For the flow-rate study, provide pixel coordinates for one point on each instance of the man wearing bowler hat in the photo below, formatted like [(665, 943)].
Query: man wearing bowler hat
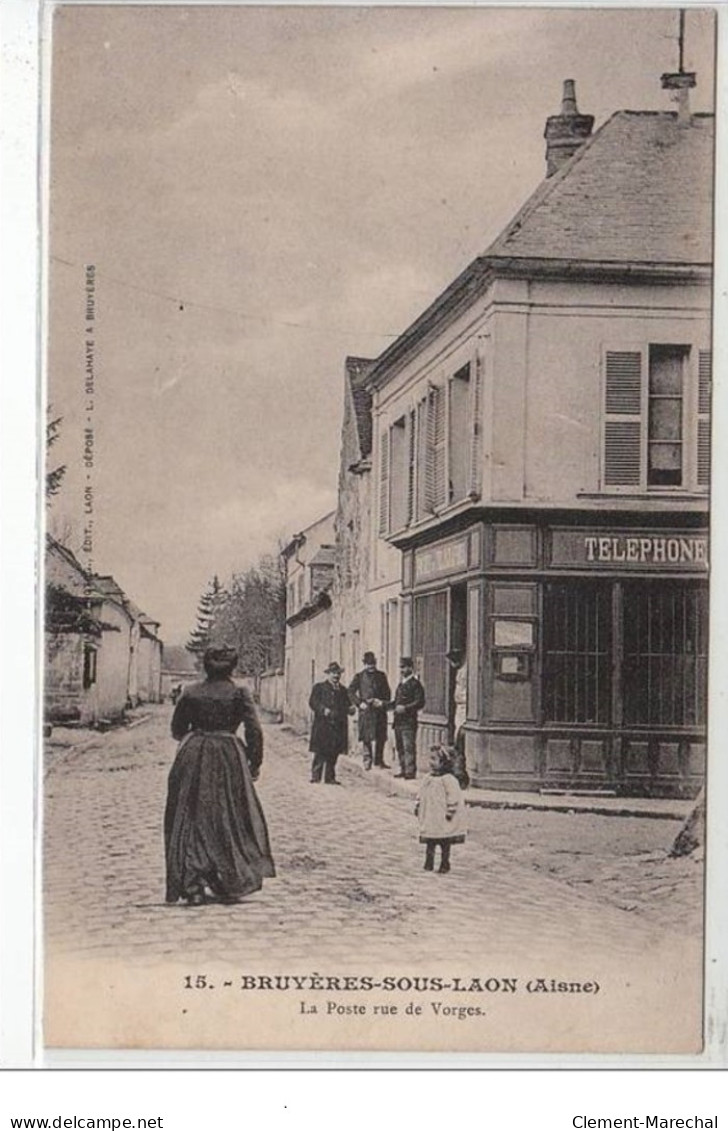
[(331, 708), (370, 693), (409, 699)]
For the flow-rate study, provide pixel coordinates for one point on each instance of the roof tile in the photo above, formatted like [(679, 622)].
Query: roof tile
[(639, 191)]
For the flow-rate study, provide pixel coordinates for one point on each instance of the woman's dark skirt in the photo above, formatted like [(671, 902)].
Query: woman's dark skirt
[(214, 828)]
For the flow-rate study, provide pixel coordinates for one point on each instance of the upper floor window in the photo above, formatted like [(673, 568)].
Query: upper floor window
[(657, 418), (431, 456), (459, 410)]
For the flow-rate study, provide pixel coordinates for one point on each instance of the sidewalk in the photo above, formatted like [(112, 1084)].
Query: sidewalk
[(675, 809)]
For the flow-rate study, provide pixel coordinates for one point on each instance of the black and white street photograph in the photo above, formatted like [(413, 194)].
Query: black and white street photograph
[(377, 421)]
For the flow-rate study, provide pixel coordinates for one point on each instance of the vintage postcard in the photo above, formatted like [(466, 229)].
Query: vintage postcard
[(378, 390)]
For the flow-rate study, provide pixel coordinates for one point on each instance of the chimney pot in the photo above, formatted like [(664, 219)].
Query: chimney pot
[(680, 83), (568, 101), (566, 132)]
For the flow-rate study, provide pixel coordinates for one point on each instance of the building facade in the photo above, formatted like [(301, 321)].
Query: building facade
[(102, 655), (541, 454), (309, 559)]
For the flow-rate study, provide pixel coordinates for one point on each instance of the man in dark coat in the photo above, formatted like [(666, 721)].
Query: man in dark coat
[(370, 693), (331, 708), (409, 699)]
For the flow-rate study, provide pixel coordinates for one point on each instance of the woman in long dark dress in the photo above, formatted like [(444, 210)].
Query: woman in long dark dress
[(215, 833)]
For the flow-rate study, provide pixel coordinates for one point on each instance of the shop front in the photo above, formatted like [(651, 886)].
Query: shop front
[(586, 652)]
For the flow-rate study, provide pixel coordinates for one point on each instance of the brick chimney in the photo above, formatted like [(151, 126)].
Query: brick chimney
[(566, 132)]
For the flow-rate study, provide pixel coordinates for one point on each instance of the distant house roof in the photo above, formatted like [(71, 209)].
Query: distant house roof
[(300, 539), (639, 191), (635, 199), (357, 371), (108, 586)]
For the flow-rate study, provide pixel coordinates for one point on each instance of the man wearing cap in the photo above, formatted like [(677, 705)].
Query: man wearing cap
[(457, 715), (331, 707), (409, 699), (370, 693)]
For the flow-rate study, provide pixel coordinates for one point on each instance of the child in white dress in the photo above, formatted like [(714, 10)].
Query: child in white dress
[(441, 810)]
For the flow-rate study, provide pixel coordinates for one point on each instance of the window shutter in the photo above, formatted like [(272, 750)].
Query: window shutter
[(422, 444), (384, 483), (435, 469), (705, 376), (411, 458), (475, 484), (623, 419)]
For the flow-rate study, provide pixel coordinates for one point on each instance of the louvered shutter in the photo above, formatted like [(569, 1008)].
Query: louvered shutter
[(705, 376), (429, 454), (623, 419), (411, 464), (384, 483), (475, 475), (435, 470)]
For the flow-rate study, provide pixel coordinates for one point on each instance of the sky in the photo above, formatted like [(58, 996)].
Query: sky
[(263, 191)]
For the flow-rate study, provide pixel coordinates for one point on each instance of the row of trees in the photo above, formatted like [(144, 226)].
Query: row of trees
[(247, 613)]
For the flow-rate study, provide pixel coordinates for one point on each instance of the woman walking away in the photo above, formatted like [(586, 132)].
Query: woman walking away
[(441, 810), (215, 833)]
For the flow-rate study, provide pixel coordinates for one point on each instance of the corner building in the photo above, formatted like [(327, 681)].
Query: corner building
[(541, 451)]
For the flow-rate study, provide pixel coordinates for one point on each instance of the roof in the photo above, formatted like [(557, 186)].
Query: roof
[(53, 546), (300, 539), (105, 583), (357, 371), (639, 191), (636, 199)]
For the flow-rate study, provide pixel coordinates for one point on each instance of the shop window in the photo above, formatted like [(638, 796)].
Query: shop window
[(577, 653), (430, 648), (665, 654), (657, 418)]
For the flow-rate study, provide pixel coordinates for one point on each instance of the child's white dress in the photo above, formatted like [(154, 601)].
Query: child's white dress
[(439, 796)]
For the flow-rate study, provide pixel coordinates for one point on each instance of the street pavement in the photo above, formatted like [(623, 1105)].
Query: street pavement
[(350, 883)]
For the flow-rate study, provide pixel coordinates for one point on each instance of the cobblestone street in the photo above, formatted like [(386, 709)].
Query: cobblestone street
[(350, 880)]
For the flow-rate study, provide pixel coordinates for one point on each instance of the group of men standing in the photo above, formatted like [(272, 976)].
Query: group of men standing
[(370, 695)]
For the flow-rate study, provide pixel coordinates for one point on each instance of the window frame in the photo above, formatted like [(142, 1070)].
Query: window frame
[(696, 349)]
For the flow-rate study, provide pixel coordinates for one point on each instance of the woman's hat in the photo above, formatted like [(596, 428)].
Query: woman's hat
[(334, 667), (221, 655)]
